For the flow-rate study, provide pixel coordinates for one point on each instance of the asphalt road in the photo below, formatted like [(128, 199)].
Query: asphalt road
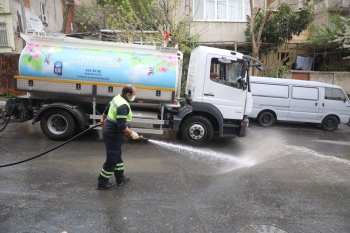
[(286, 178)]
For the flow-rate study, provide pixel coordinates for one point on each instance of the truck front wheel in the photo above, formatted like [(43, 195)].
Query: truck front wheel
[(196, 130), (57, 125)]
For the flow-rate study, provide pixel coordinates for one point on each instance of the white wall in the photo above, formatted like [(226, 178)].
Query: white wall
[(219, 31), (53, 12)]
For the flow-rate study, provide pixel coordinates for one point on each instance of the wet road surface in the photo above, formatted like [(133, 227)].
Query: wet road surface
[(292, 176)]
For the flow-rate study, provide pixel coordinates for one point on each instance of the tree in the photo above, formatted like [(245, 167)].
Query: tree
[(268, 31), (334, 39), (344, 38), (133, 18), (255, 25)]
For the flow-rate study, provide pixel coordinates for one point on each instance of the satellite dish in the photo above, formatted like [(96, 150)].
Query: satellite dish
[(35, 22)]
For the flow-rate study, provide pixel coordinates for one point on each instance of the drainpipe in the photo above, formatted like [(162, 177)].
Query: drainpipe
[(24, 18)]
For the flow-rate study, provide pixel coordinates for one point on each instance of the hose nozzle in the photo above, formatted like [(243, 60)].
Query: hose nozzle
[(143, 139)]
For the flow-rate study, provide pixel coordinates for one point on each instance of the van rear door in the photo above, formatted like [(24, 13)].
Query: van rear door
[(304, 104), (335, 102)]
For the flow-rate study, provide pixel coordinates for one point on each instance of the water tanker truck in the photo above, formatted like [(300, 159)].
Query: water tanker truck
[(69, 82)]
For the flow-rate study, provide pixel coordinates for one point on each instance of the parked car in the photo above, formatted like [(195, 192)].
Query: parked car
[(298, 101)]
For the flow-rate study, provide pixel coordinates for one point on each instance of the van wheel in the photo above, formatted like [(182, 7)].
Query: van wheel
[(266, 119), (57, 124), (330, 123), (196, 130)]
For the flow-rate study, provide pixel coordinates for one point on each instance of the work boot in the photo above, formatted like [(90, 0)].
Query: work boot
[(106, 186), (123, 181)]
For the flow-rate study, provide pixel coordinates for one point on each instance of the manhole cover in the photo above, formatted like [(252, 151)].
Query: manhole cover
[(261, 229)]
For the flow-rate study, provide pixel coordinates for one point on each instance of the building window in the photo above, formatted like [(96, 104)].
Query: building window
[(3, 34), (221, 10)]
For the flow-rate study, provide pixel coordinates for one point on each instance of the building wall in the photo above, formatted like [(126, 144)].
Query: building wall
[(219, 31), (6, 17), (214, 31), (341, 79), (53, 13), (324, 5), (53, 18)]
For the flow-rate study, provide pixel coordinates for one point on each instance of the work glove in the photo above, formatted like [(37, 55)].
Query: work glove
[(134, 135), (102, 122)]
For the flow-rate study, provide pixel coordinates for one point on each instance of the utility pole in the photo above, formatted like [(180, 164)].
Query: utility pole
[(24, 19)]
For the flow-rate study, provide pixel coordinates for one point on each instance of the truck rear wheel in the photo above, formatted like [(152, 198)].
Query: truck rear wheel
[(330, 123), (57, 125), (196, 130)]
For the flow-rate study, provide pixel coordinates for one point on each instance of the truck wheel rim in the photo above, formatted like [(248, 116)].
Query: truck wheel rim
[(197, 131), (57, 124)]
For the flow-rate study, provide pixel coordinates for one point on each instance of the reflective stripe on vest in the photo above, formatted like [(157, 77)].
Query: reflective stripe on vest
[(115, 103)]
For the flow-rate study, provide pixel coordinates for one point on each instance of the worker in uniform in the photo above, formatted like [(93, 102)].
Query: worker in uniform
[(118, 114)]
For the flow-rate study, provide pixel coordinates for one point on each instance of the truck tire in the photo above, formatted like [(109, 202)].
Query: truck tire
[(266, 119), (57, 124), (196, 130), (330, 123)]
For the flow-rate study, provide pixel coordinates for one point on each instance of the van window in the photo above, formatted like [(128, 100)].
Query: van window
[(334, 94), (305, 93), (226, 74), (269, 90)]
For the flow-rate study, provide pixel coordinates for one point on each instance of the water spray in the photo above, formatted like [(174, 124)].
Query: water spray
[(204, 154)]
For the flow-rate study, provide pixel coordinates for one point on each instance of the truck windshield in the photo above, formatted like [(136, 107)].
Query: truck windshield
[(226, 74)]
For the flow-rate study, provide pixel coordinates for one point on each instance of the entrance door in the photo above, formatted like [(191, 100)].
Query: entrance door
[(222, 88)]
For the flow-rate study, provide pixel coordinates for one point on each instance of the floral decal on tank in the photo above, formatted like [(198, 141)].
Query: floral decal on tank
[(97, 65)]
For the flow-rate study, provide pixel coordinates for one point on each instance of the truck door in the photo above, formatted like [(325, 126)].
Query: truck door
[(221, 86), (304, 104), (334, 102)]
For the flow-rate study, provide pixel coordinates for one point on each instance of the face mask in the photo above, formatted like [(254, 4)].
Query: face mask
[(133, 98)]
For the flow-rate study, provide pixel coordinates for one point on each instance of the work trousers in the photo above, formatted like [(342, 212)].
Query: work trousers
[(114, 162)]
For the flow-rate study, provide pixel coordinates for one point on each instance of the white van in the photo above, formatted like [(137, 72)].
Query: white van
[(298, 101)]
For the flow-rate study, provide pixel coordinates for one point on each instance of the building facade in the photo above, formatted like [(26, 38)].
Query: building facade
[(12, 21), (219, 22)]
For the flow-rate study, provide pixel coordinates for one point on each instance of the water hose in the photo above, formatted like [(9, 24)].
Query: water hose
[(54, 148), (8, 120)]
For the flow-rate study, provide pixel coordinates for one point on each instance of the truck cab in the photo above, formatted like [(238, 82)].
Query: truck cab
[(217, 94)]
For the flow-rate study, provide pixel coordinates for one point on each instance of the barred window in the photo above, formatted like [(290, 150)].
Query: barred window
[(3, 34)]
